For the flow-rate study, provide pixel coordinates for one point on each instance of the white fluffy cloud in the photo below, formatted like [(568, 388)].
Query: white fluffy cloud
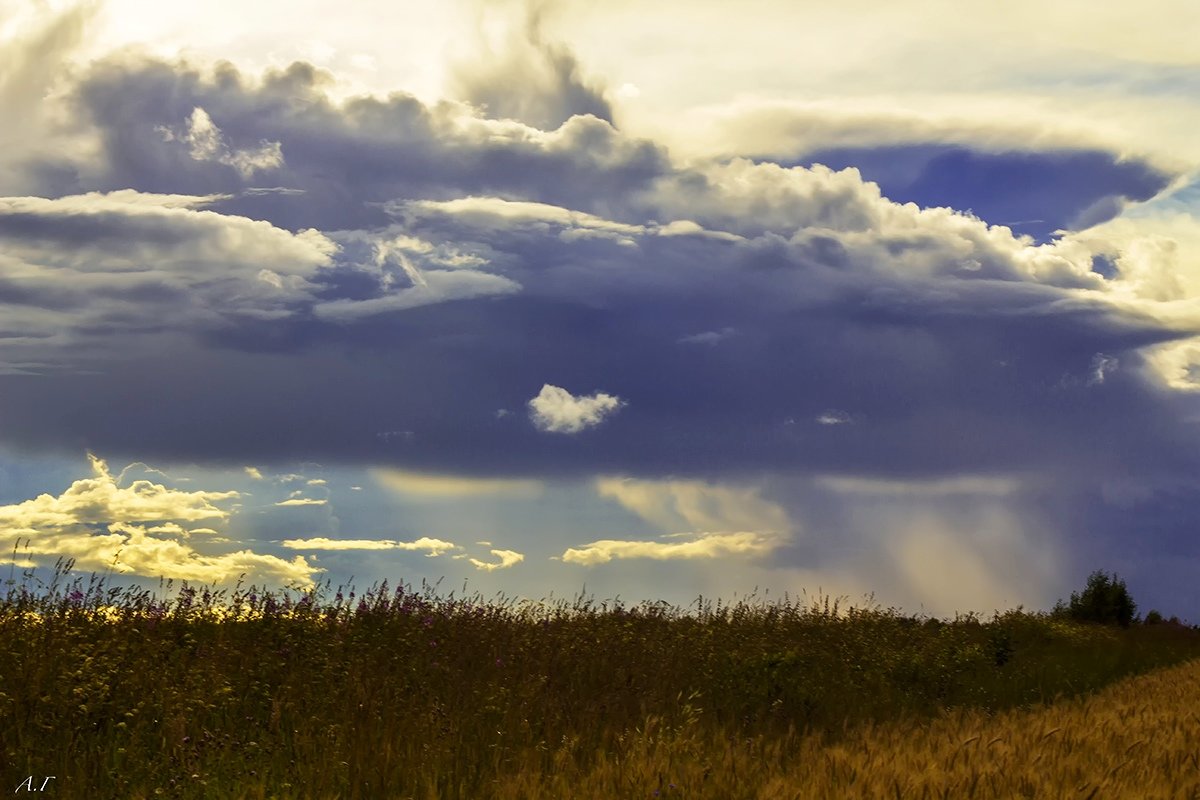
[(555, 410), (99, 500), (143, 536), (507, 558)]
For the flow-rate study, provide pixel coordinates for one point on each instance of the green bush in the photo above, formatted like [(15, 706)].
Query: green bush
[(1105, 600)]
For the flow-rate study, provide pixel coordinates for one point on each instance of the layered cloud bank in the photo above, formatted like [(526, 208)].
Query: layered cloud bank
[(481, 297)]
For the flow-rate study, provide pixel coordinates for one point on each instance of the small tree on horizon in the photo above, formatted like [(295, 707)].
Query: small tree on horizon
[(1105, 600)]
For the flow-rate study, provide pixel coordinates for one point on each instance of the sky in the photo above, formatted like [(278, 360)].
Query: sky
[(890, 302)]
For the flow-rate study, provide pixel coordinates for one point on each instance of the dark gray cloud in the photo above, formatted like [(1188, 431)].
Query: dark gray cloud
[(937, 373), (338, 163)]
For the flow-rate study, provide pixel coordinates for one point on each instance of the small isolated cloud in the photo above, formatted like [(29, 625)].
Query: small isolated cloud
[(302, 501), (317, 482), (703, 546), (433, 547), (207, 143), (707, 337), (260, 191), (254, 473), (322, 543), (507, 559), (555, 410), (833, 417), (1102, 366)]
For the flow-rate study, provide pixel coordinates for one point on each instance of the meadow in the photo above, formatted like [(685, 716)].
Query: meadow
[(406, 692)]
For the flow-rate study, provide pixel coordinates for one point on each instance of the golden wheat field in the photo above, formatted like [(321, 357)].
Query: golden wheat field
[(1139, 738)]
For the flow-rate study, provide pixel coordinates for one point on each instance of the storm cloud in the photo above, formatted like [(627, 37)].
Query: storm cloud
[(474, 272)]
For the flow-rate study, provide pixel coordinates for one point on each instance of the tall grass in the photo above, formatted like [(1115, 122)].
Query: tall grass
[(192, 692)]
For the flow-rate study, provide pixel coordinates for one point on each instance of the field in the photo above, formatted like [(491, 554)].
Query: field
[(398, 693)]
